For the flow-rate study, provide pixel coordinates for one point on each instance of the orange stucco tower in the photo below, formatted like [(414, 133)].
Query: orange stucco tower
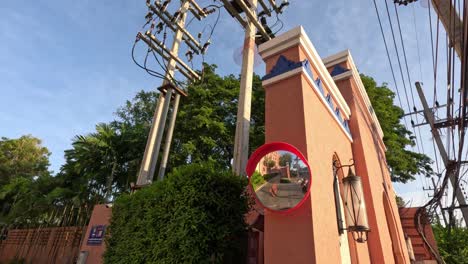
[(321, 107)]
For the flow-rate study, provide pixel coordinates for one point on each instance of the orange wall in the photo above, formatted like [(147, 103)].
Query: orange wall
[(296, 114), (371, 166)]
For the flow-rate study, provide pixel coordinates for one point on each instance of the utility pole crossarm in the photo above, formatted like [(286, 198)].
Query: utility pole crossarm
[(251, 15), (173, 56), (232, 11), (170, 93), (167, 55), (166, 17)]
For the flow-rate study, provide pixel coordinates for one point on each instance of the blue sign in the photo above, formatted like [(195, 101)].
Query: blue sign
[(96, 235)]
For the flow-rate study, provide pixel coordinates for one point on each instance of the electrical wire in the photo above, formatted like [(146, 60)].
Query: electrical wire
[(278, 20), (417, 42), (462, 129), (404, 55), (401, 70), (409, 80), (434, 54), (389, 60), (217, 18), (155, 74), (438, 193)]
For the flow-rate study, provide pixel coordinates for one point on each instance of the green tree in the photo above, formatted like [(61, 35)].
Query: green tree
[(205, 125), (269, 163), (206, 121), (27, 201), (286, 158), (404, 164), (452, 243), (23, 157), (102, 164), (195, 215), (24, 179), (400, 201), (96, 167)]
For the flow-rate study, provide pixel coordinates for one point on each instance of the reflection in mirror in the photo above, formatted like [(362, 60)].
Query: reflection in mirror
[(281, 180)]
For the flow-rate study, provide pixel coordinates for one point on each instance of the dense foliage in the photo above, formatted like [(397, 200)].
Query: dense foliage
[(285, 159), (195, 215), (452, 244), (102, 164), (24, 177), (404, 164), (206, 121), (269, 163), (24, 157), (256, 180)]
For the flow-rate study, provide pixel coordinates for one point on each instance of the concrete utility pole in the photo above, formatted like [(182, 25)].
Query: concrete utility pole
[(153, 144), (241, 144), (443, 153), (170, 131), (451, 20), (176, 23)]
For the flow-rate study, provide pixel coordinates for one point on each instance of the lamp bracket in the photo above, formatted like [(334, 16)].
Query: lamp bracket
[(343, 166)]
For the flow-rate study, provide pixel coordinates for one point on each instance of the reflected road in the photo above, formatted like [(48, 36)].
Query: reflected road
[(287, 196)]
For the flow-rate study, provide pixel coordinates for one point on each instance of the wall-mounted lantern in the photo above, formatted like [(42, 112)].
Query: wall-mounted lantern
[(355, 206)]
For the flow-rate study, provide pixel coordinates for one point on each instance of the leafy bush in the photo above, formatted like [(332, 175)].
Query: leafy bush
[(257, 180), (452, 243), (195, 215)]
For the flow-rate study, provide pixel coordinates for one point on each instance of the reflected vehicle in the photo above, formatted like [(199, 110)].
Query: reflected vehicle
[(281, 180)]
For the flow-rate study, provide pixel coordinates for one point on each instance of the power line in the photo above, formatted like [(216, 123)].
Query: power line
[(409, 79), (434, 54), (397, 55), (401, 70), (462, 110), (417, 42), (404, 54), (389, 60)]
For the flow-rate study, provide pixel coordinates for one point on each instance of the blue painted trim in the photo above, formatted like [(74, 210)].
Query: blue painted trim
[(306, 66), (284, 65), (337, 113), (338, 70), (330, 101), (346, 126), (318, 82)]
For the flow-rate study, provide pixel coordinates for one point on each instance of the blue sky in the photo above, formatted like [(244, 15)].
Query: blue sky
[(66, 66)]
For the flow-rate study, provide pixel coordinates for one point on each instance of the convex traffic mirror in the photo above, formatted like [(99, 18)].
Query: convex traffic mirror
[(280, 177)]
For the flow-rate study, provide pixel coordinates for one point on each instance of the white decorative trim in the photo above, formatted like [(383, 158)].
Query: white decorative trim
[(282, 76), (337, 58), (312, 83), (326, 105), (281, 42), (343, 75), (298, 37), (346, 56)]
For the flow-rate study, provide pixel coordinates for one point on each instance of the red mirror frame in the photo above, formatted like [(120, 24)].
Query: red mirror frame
[(259, 153)]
